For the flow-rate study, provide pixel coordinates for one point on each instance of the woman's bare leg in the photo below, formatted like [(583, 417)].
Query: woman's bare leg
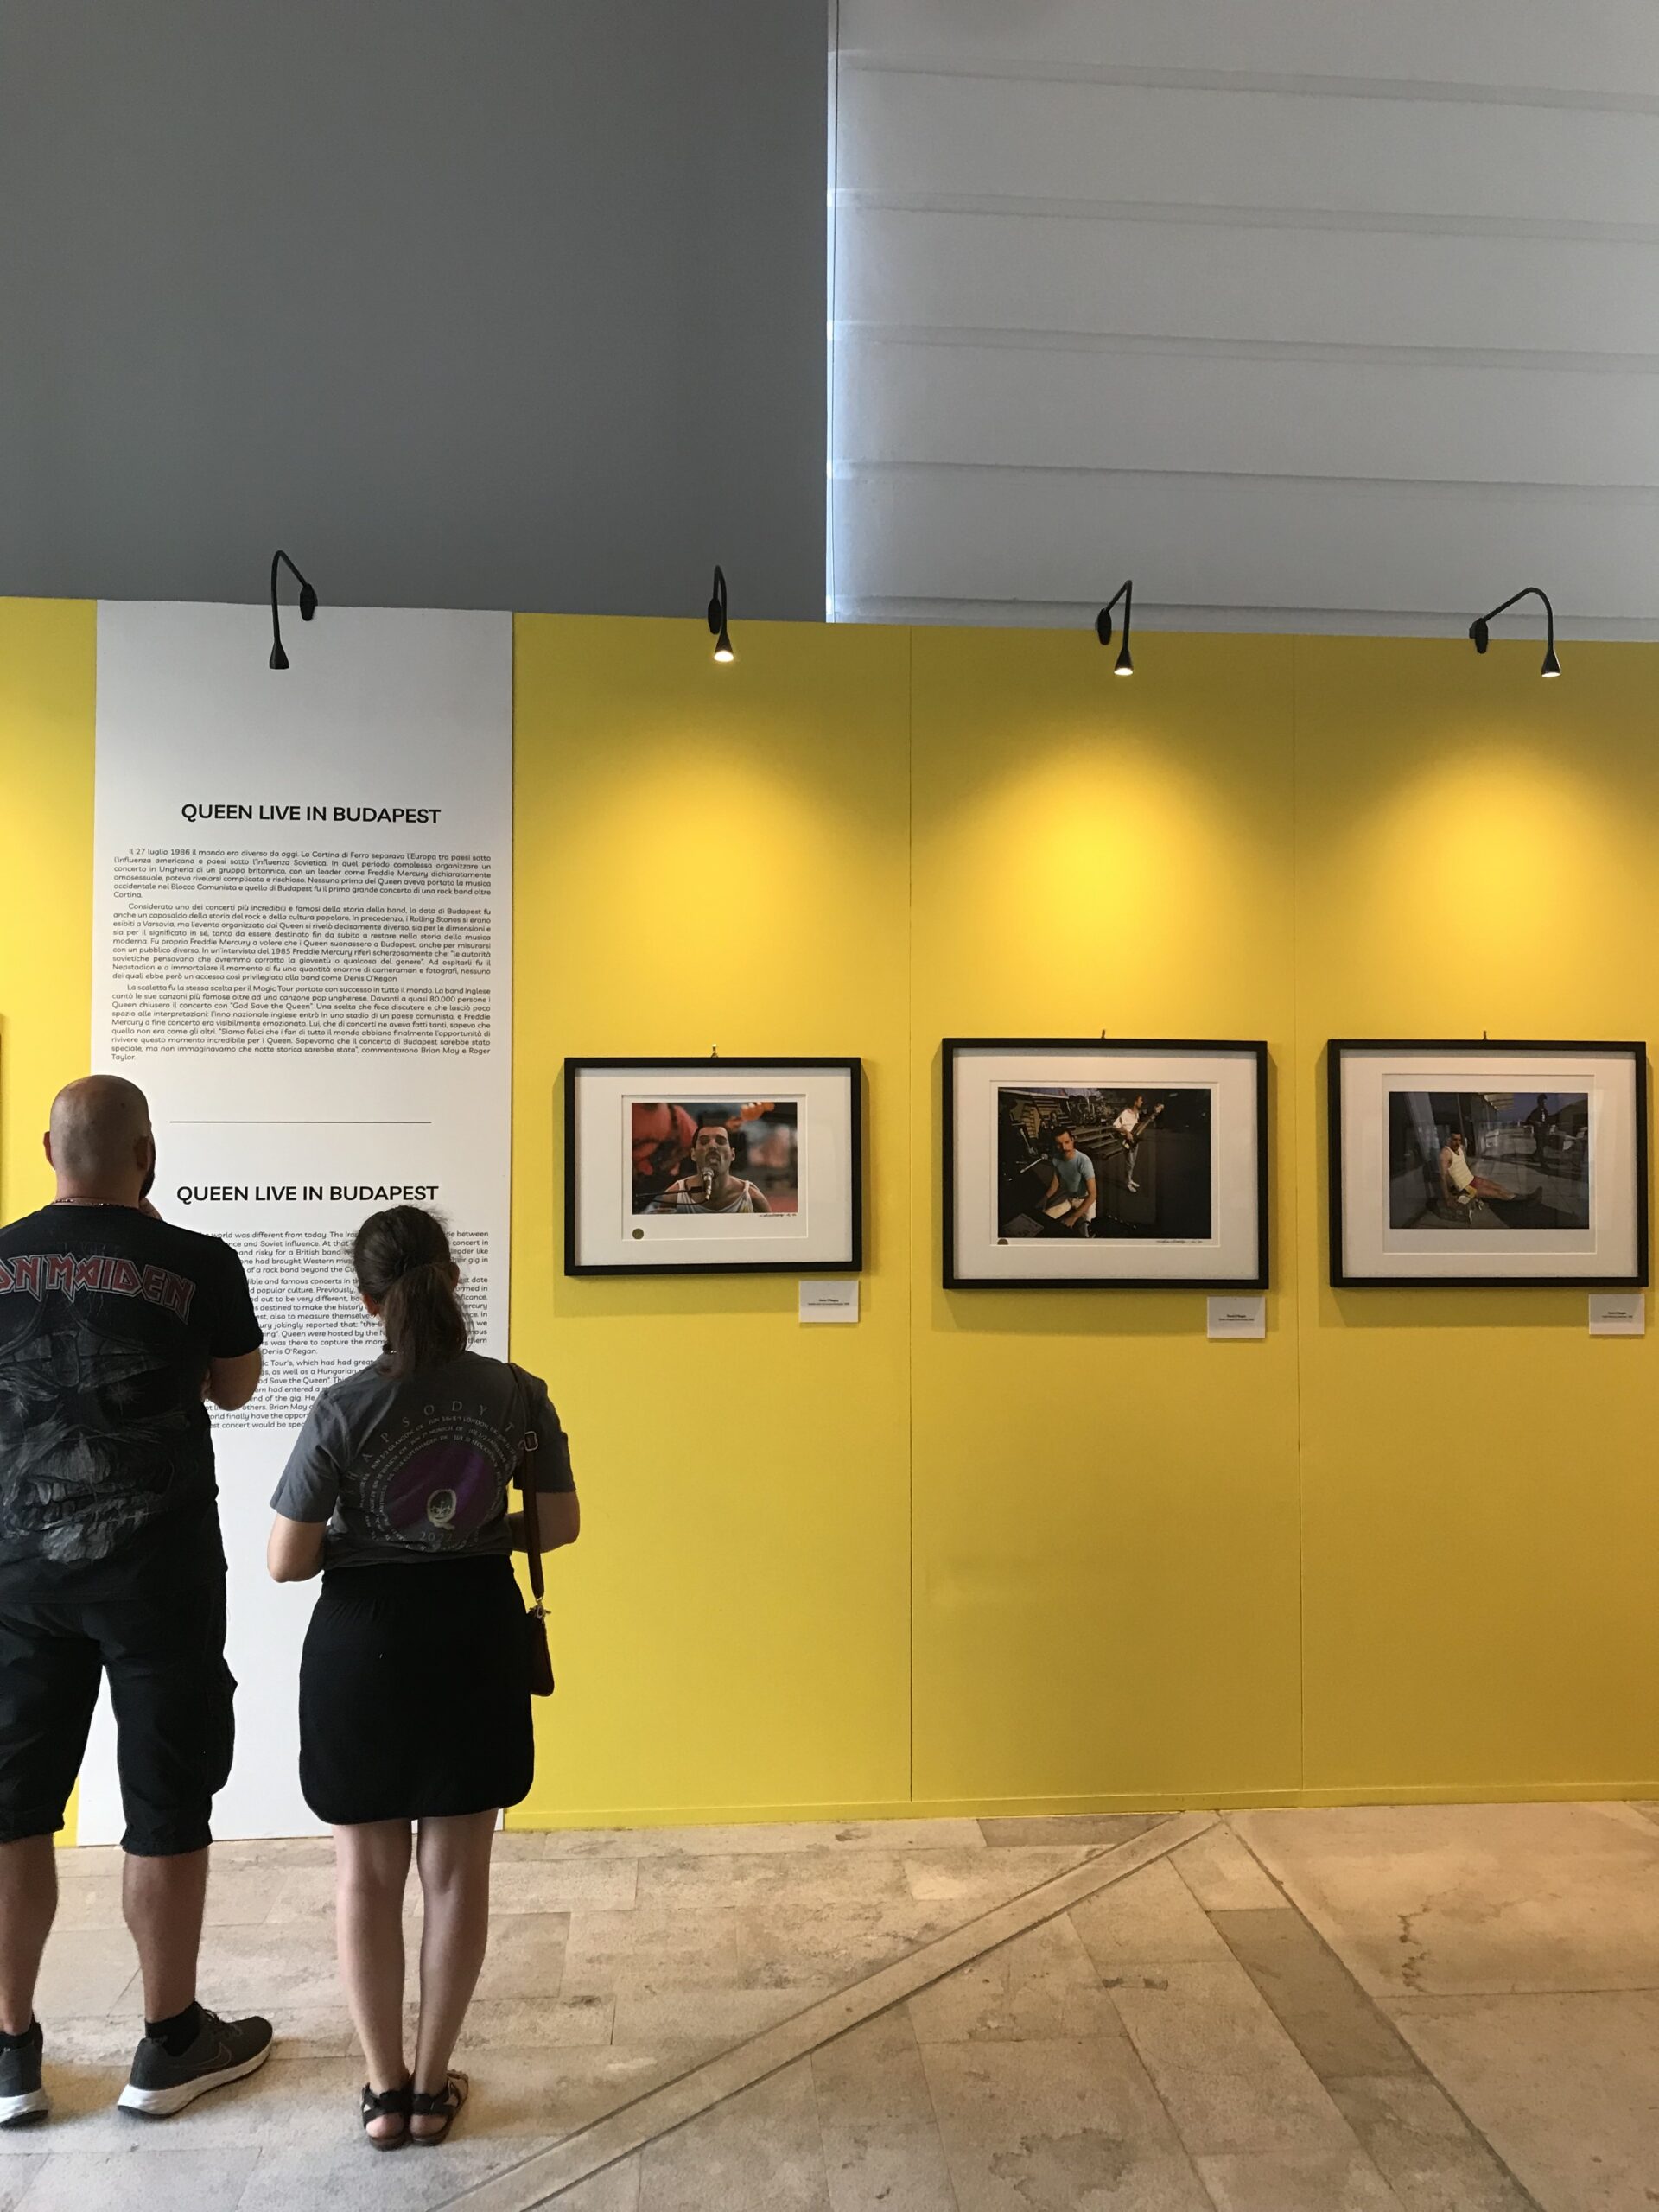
[(453, 1856), (372, 1865)]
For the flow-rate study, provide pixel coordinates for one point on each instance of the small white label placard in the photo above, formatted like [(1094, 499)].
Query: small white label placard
[(1242, 1317), (830, 1302), (1618, 1314)]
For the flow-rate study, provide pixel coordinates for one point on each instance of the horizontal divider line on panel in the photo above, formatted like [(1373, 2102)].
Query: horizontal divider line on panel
[(852, 331), (1313, 621), (854, 199), (1459, 487), (1015, 70)]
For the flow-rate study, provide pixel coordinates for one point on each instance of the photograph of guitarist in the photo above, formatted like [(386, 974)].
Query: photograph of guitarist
[(1131, 1128)]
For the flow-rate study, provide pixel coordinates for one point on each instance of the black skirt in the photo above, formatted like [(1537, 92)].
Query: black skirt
[(414, 1692)]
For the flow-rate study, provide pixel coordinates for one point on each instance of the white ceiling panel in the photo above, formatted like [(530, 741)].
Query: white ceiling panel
[(1312, 315), (1140, 407), (903, 133), (1597, 47), (1222, 278), (1000, 538)]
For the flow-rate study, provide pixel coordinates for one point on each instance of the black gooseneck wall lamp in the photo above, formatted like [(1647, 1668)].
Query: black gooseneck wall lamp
[(722, 635), (1122, 666), (308, 606), (1480, 629)]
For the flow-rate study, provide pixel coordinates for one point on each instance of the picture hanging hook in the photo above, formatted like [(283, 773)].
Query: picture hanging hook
[(713, 1051)]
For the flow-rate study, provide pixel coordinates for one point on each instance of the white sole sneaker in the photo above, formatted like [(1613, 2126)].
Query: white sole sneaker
[(162, 2104), (33, 2104)]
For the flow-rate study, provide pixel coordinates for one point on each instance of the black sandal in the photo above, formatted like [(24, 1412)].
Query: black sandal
[(430, 2103), (389, 2104)]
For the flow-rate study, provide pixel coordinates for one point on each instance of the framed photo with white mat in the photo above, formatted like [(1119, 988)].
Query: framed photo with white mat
[(1094, 1163), (1488, 1162), (713, 1167)]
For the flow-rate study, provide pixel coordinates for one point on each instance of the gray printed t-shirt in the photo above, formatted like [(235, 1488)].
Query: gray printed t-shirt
[(418, 1469)]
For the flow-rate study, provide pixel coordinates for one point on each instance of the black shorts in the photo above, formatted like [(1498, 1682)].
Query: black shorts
[(164, 1653), (414, 1692)]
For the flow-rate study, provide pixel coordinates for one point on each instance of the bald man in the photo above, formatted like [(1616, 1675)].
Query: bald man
[(115, 1327)]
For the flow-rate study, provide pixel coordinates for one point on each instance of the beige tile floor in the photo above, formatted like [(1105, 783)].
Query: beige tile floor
[(1449, 2009)]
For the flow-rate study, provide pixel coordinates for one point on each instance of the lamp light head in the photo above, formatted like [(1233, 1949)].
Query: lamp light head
[(1480, 629), (280, 560), (1122, 666), (717, 629)]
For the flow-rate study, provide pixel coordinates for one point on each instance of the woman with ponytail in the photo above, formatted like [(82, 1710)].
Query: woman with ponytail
[(415, 1685)]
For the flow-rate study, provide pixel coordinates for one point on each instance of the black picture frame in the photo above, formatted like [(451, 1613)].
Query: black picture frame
[(1339, 1048), (952, 1047), (853, 1069)]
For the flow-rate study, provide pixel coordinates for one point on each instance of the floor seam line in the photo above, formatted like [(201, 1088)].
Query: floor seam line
[(496, 2194)]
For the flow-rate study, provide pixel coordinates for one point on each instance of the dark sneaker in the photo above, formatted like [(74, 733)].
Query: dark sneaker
[(22, 2097), (224, 2050)]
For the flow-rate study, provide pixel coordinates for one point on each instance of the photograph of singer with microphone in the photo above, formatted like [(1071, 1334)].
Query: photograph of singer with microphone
[(742, 1158)]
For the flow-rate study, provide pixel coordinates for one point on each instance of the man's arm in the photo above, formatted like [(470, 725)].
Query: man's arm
[(558, 1521), (759, 1201), (294, 1552), (232, 1383)]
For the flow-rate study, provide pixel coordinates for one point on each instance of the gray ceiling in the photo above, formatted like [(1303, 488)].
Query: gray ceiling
[(466, 302)]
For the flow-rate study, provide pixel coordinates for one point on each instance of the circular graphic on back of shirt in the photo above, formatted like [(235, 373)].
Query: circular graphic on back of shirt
[(444, 1492)]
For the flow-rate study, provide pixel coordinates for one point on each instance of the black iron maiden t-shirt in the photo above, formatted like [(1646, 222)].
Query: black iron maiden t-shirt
[(108, 1318)]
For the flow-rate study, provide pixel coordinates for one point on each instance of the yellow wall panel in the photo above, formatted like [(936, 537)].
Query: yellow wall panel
[(1479, 852), (48, 672), (711, 856), (49, 658), (1105, 1526)]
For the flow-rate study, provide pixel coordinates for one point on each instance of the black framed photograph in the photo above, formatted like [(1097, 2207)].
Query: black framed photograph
[(1505, 1162), (713, 1167), (1086, 1163)]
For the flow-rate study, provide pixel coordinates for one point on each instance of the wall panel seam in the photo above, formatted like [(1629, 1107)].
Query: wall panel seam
[(1296, 1238), (1210, 615), (1626, 494), (1014, 338), (1237, 215), (1300, 83), (910, 1171)]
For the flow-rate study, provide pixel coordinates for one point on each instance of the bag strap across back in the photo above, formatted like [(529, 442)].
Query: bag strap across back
[(526, 1478)]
